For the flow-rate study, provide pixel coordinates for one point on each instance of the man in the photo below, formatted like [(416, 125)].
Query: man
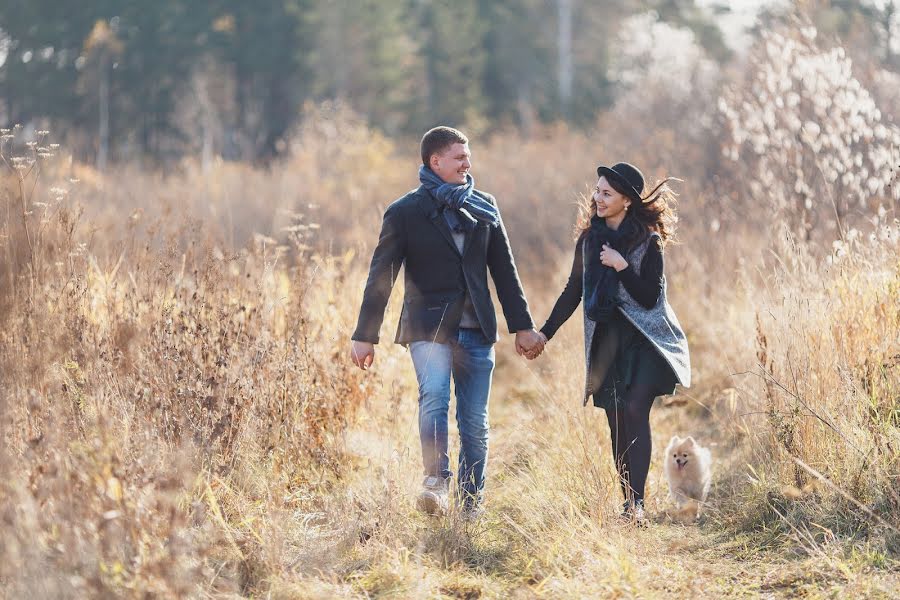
[(448, 234)]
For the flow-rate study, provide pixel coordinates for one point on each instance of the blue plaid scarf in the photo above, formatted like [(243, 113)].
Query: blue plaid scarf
[(462, 207)]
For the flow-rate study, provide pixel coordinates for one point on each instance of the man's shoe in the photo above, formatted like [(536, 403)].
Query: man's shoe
[(433, 499), (470, 514)]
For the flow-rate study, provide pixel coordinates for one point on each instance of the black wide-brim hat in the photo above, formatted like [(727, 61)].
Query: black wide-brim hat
[(628, 175)]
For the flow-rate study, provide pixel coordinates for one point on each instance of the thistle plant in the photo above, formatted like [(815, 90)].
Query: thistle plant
[(806, 137), (26, 217)]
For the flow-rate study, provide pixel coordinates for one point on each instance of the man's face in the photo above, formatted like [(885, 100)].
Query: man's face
[(452, 164)]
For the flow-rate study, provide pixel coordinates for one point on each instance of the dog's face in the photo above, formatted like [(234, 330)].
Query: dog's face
[(682, 452)]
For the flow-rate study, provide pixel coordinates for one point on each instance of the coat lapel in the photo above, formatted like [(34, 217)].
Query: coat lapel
[(430, 208), (470, 235), (479, 229)]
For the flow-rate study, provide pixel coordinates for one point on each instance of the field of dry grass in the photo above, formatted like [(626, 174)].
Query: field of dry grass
[(179, 417)]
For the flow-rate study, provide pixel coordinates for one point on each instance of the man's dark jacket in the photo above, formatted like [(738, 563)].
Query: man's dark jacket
[(415, 232)]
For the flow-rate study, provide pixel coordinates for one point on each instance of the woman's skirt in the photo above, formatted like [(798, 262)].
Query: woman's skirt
[(621, 357)]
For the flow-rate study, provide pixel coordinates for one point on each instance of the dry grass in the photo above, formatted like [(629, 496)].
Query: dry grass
[(179, 418)]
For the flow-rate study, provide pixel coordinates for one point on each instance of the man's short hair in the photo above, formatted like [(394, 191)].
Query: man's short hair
[(439, 139)]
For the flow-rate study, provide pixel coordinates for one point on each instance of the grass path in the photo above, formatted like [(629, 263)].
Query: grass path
[(705, 559), (666, 558), (551, 529)]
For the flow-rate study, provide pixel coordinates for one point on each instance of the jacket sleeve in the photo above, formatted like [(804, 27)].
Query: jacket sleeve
[(571, 295), (506, 279), (386, 262)]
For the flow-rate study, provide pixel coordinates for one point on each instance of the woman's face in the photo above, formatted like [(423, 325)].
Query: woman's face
[(608, 202)]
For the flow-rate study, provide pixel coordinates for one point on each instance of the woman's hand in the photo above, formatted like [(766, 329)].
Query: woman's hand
[(528, 341), (538, 349), (610, 257)]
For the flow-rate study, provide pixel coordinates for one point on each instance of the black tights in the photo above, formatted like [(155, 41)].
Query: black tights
[(629, 428)]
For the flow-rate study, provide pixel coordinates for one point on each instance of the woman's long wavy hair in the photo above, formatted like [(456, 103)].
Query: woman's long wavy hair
[(655, 212)]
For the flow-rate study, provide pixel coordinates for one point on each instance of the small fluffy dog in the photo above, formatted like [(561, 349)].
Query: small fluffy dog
[(688, 471)]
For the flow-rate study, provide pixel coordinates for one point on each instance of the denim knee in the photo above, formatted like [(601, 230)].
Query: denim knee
[(434, 397), (474, 436)]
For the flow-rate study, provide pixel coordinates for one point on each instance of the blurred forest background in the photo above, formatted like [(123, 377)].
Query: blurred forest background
[(130, 81), (179, 85), (189, 197)]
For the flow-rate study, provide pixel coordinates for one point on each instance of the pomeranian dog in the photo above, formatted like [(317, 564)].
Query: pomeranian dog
[(688, 469)]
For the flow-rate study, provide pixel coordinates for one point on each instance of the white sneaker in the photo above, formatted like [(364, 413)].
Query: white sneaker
[(433, 499), (639, 518), (472, 514), (634, 513)]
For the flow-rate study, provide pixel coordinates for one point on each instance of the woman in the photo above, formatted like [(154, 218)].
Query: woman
[(635, 349)]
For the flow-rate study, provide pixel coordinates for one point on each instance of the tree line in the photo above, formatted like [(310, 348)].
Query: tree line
[(123, 80)]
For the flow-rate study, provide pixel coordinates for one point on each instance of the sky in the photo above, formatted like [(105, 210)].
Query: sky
[(742, 15)]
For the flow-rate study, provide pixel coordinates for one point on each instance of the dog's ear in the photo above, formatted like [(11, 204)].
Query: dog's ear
[(691, 441), (675, 440)]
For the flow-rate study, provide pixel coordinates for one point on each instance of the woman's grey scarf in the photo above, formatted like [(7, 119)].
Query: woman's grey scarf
[(463, 207)]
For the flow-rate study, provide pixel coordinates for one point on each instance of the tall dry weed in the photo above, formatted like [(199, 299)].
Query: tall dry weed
[(179, 416), (143, 377), (828, 384)]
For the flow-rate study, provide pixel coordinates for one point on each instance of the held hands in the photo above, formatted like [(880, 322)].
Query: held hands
[(610, 257), (362, 354), (530, 343), (538, 350)]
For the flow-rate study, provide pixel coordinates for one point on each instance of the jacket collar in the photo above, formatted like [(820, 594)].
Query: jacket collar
[(428, 203)]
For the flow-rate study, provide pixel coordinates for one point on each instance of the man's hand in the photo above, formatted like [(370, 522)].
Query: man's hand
[(529, 343), (539, 349), (362, 354)]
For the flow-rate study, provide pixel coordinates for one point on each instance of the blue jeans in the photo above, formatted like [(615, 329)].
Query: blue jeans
[(470, 361)]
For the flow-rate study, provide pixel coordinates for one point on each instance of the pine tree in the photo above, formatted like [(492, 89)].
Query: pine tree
[(366, 55), (452, 36), (268, 49), (520, 54)]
